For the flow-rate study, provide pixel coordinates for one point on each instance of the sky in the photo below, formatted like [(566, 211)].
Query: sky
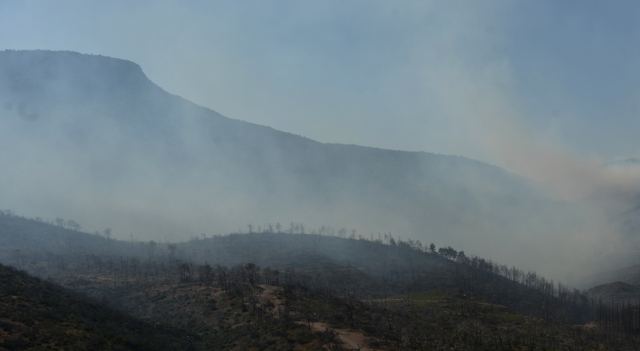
[(453, 77)]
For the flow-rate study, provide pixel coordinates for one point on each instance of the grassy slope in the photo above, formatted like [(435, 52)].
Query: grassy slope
[(36, 315), (230, 321), (243, 319), (264, 317)]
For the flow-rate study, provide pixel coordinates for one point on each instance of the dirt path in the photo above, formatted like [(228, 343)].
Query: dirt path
[(351, 339), (269, 296)]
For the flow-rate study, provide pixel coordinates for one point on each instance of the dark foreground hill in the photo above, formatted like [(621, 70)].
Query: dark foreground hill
[(366, 268), (249, 307), (309, 292), (37, 315)]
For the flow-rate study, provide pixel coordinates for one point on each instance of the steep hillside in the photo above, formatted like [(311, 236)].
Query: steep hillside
[(36, 315), (91, 138)]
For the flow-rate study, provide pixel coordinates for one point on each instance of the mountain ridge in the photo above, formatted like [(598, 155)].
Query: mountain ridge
[(133, 156), (136, 70)]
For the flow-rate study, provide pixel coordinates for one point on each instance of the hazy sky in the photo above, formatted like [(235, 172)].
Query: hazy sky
[(441, 76)]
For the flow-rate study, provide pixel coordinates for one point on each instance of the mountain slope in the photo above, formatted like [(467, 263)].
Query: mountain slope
[(91, 138), (35, 315)]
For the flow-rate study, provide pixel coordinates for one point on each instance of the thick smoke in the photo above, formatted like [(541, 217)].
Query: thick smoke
[(599, 232), (105, 158), (92, 139)]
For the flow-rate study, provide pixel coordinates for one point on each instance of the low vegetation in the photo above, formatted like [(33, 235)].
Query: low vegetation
[(37, 315), (281, 291)]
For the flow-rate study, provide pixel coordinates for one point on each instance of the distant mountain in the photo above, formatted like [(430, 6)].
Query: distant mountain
[(625, 162), (616, 292), (629, 275), (92, 138)]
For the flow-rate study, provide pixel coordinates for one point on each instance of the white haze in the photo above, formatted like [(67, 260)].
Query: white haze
[(453, 91)]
